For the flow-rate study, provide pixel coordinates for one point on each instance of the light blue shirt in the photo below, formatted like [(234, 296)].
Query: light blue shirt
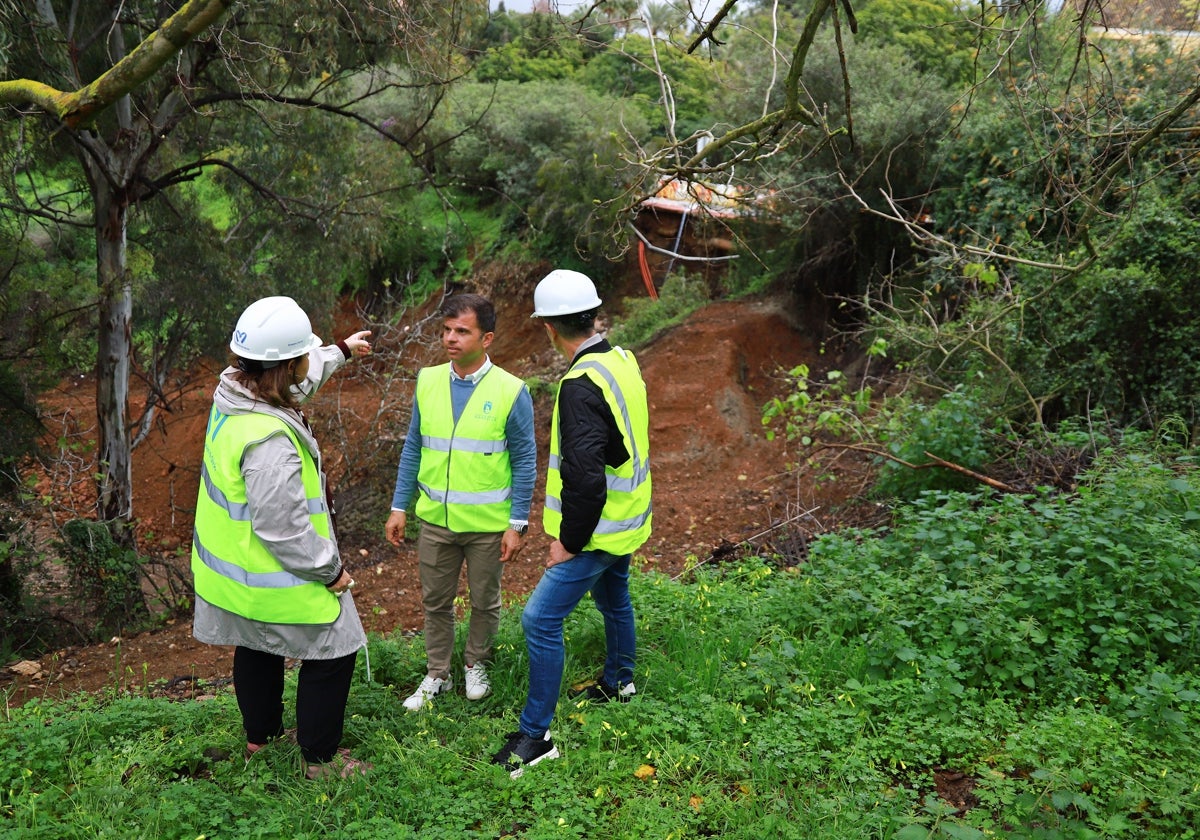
[(522, 447)]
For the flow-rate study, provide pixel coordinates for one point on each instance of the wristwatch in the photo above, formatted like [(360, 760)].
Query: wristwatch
[(520, 529)]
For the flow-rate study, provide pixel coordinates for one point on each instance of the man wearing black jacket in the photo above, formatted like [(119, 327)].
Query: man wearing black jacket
[(597, 510)]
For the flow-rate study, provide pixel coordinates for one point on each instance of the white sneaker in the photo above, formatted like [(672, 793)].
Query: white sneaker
[(476, 680), (429, 688)]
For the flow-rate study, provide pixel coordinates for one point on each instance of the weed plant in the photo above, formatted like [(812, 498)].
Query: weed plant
[(681, 295), (1043, 647)]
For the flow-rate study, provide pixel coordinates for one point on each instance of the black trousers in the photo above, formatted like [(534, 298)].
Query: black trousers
[(321, 695)]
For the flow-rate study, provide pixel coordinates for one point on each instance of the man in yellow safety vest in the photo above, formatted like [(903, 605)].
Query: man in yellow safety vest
[(470, 459)]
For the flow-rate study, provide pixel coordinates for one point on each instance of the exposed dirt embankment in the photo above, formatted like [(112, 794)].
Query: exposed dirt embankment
[(717, 479)]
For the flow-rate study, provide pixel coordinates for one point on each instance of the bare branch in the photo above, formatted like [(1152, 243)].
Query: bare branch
[(934, 461), (707, 33)]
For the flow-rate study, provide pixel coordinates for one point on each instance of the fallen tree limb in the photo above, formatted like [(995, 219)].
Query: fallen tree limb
[(934, 461), (747, 541)]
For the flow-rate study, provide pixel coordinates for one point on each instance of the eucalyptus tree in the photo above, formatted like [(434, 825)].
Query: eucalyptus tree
[(135, 93)]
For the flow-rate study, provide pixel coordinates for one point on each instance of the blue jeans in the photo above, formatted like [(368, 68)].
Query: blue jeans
[(561, 588)]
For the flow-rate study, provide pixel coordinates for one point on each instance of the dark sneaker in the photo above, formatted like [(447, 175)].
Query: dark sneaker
[(602, 692), (521, 751)]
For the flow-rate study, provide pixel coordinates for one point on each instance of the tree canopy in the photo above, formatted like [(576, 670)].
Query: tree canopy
[(977, 158)]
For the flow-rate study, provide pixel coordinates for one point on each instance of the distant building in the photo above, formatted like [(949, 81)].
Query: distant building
[(686, 225)]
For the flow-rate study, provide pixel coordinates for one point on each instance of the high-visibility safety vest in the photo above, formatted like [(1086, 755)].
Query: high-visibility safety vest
[(231, 566), (625, 520), (465, 480)]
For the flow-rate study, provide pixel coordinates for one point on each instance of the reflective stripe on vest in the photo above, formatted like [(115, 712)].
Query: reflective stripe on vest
[(465, 480), (232, 568), (625, 520)]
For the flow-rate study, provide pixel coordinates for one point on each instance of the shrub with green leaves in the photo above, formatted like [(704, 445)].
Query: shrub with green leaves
[(543, 153), (908, 434), (1119, 334), (760, 712), (643, 319), (1123, 335), (107, 575), (1040, 593), (952, 429)]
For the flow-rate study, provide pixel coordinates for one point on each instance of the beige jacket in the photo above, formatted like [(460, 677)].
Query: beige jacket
[(279, 517)]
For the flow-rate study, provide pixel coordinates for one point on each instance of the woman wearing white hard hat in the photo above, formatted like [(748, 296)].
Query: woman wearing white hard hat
[(269, 578)]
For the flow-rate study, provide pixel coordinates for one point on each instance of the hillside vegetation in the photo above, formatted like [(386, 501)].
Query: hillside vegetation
[(989, 216), (1015, 667)]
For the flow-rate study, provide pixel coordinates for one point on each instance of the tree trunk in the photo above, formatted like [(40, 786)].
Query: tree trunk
[(114, 498)]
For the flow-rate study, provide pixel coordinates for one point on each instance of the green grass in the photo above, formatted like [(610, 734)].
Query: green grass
[(771, 703), (644, 319)]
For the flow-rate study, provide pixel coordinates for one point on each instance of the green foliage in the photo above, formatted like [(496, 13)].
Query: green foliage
[(539, 387), (819, 241), (500, 28), (47, 277), (953, 429), (1156, 706), (935, 34), (993, 188), (644, 319), (106, 574), (547, 152), (187, 288), (1123, 335), (907, 434), (1064, 596), (629, 68), (424, 240), (814, 408), (1120, 334), (20, 633), (765, 707), (530, 59), (19, 426)]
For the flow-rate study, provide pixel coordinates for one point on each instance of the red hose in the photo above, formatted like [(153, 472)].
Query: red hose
[(646, 278)]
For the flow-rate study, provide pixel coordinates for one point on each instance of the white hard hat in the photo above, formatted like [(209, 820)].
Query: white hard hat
[(273, 329), (564, 292)]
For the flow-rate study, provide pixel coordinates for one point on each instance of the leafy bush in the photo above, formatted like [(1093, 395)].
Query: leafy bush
[(813, 408), (629, 67), (1120, 335), (107, 576), (544, 153), (952, 429), (1123, 335), (907, 434), (538, 52), (1051, 594), (19, 426), (18, 616), (421, 241), (643, 319), (741, 728), (933, 33)]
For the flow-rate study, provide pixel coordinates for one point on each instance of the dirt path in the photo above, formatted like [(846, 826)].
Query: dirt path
[(717, 481)]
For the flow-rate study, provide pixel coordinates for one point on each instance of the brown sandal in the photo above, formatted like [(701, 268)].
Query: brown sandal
[(251, 749), (288, 735), (341, 766)]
